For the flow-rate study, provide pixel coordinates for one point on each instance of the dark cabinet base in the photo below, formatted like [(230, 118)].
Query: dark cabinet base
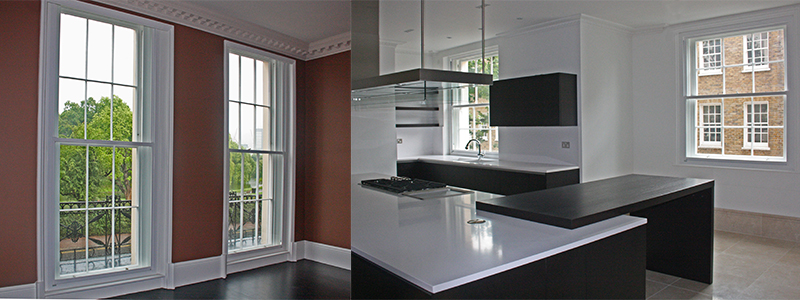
[(487, 180), (680, 236), (611, 268)]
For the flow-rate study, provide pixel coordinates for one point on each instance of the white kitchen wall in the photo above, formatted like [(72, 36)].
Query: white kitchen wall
[(419, 141), (373, 141), (606, 104), (541, 49), (656, 123)]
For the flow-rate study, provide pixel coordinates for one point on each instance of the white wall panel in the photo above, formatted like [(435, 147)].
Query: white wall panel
[(554, 48), (606, 106)]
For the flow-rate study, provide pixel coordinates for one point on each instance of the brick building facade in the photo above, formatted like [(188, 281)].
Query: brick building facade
[(741, 64)]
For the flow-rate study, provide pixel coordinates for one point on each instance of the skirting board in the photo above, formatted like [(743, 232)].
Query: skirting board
[(24, 291), (195, 271), (322, 253), (757, 224)]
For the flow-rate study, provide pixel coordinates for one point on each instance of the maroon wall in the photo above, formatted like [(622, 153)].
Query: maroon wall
[(199, 140), (327, 151), (19, 110), (323, 145)]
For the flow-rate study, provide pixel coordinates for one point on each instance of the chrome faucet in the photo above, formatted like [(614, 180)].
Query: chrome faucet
[(480, 155)]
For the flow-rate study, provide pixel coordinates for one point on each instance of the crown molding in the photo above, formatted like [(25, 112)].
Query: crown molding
[(188, 14), (329, 46)]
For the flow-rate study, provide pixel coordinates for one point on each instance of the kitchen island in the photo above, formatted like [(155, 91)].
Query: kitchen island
[(404, 247), (679, 212)]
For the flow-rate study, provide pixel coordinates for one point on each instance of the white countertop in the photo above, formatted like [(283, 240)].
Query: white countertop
[(491, 163), (430, 244)]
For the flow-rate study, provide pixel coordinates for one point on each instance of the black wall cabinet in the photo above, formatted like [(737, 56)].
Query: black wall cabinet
[(541, 100)]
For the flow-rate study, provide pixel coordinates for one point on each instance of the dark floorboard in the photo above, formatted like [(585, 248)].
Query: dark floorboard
[(304, 279)]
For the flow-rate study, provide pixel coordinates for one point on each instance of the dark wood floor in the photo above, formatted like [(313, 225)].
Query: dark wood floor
[(304, 279)]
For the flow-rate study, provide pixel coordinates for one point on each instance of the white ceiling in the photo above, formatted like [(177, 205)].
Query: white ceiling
[(306, 20), (314, 20)]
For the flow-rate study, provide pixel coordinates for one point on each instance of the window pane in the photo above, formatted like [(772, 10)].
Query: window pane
[(72, 176), (98, 112), (233, 126), (234, 216), (123, 236), (248, 126), (248, 79), (72, 242), (263, 85), (100, 226), (124, 99), (71, 104), (249, 224), (233, 77), (125, 53), (263, 129), (276, 163), (737, 82), (771, 80), (99, 51), (235, 176), (72, 47), (709, 84), (123, 176), (100, 176)]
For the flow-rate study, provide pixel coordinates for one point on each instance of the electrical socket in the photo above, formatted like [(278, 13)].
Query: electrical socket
[(399, 141), (565, 145)]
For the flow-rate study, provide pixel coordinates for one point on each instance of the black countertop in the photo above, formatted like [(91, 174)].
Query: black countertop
[(577, 205)]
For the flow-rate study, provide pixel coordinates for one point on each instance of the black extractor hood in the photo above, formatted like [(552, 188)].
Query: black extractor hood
[(367, 84)]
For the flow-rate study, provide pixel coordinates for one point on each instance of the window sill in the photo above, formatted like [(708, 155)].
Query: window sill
[(710, 146), (709, 73), (764, 148), (757, 69)]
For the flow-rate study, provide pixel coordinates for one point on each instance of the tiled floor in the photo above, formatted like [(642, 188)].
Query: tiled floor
[(745, 267)]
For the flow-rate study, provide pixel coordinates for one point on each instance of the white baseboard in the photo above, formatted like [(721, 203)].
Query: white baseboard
[(23, 291), (257, 262), (198, 270), (322, 253), (109, 289)]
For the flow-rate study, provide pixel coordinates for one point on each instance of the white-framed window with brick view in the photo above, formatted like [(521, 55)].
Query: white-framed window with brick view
[(710, 54), (737, 112), (756, 51)]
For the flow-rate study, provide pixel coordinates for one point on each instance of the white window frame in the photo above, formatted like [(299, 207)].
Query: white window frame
[(705, 70), (752, 67), (685, 34), (704, 125), (746, 144), (452, 132), (156, 191), (261, 256)]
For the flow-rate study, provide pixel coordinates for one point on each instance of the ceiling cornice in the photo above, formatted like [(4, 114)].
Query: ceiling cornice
[(196, 17), (329, 46)]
